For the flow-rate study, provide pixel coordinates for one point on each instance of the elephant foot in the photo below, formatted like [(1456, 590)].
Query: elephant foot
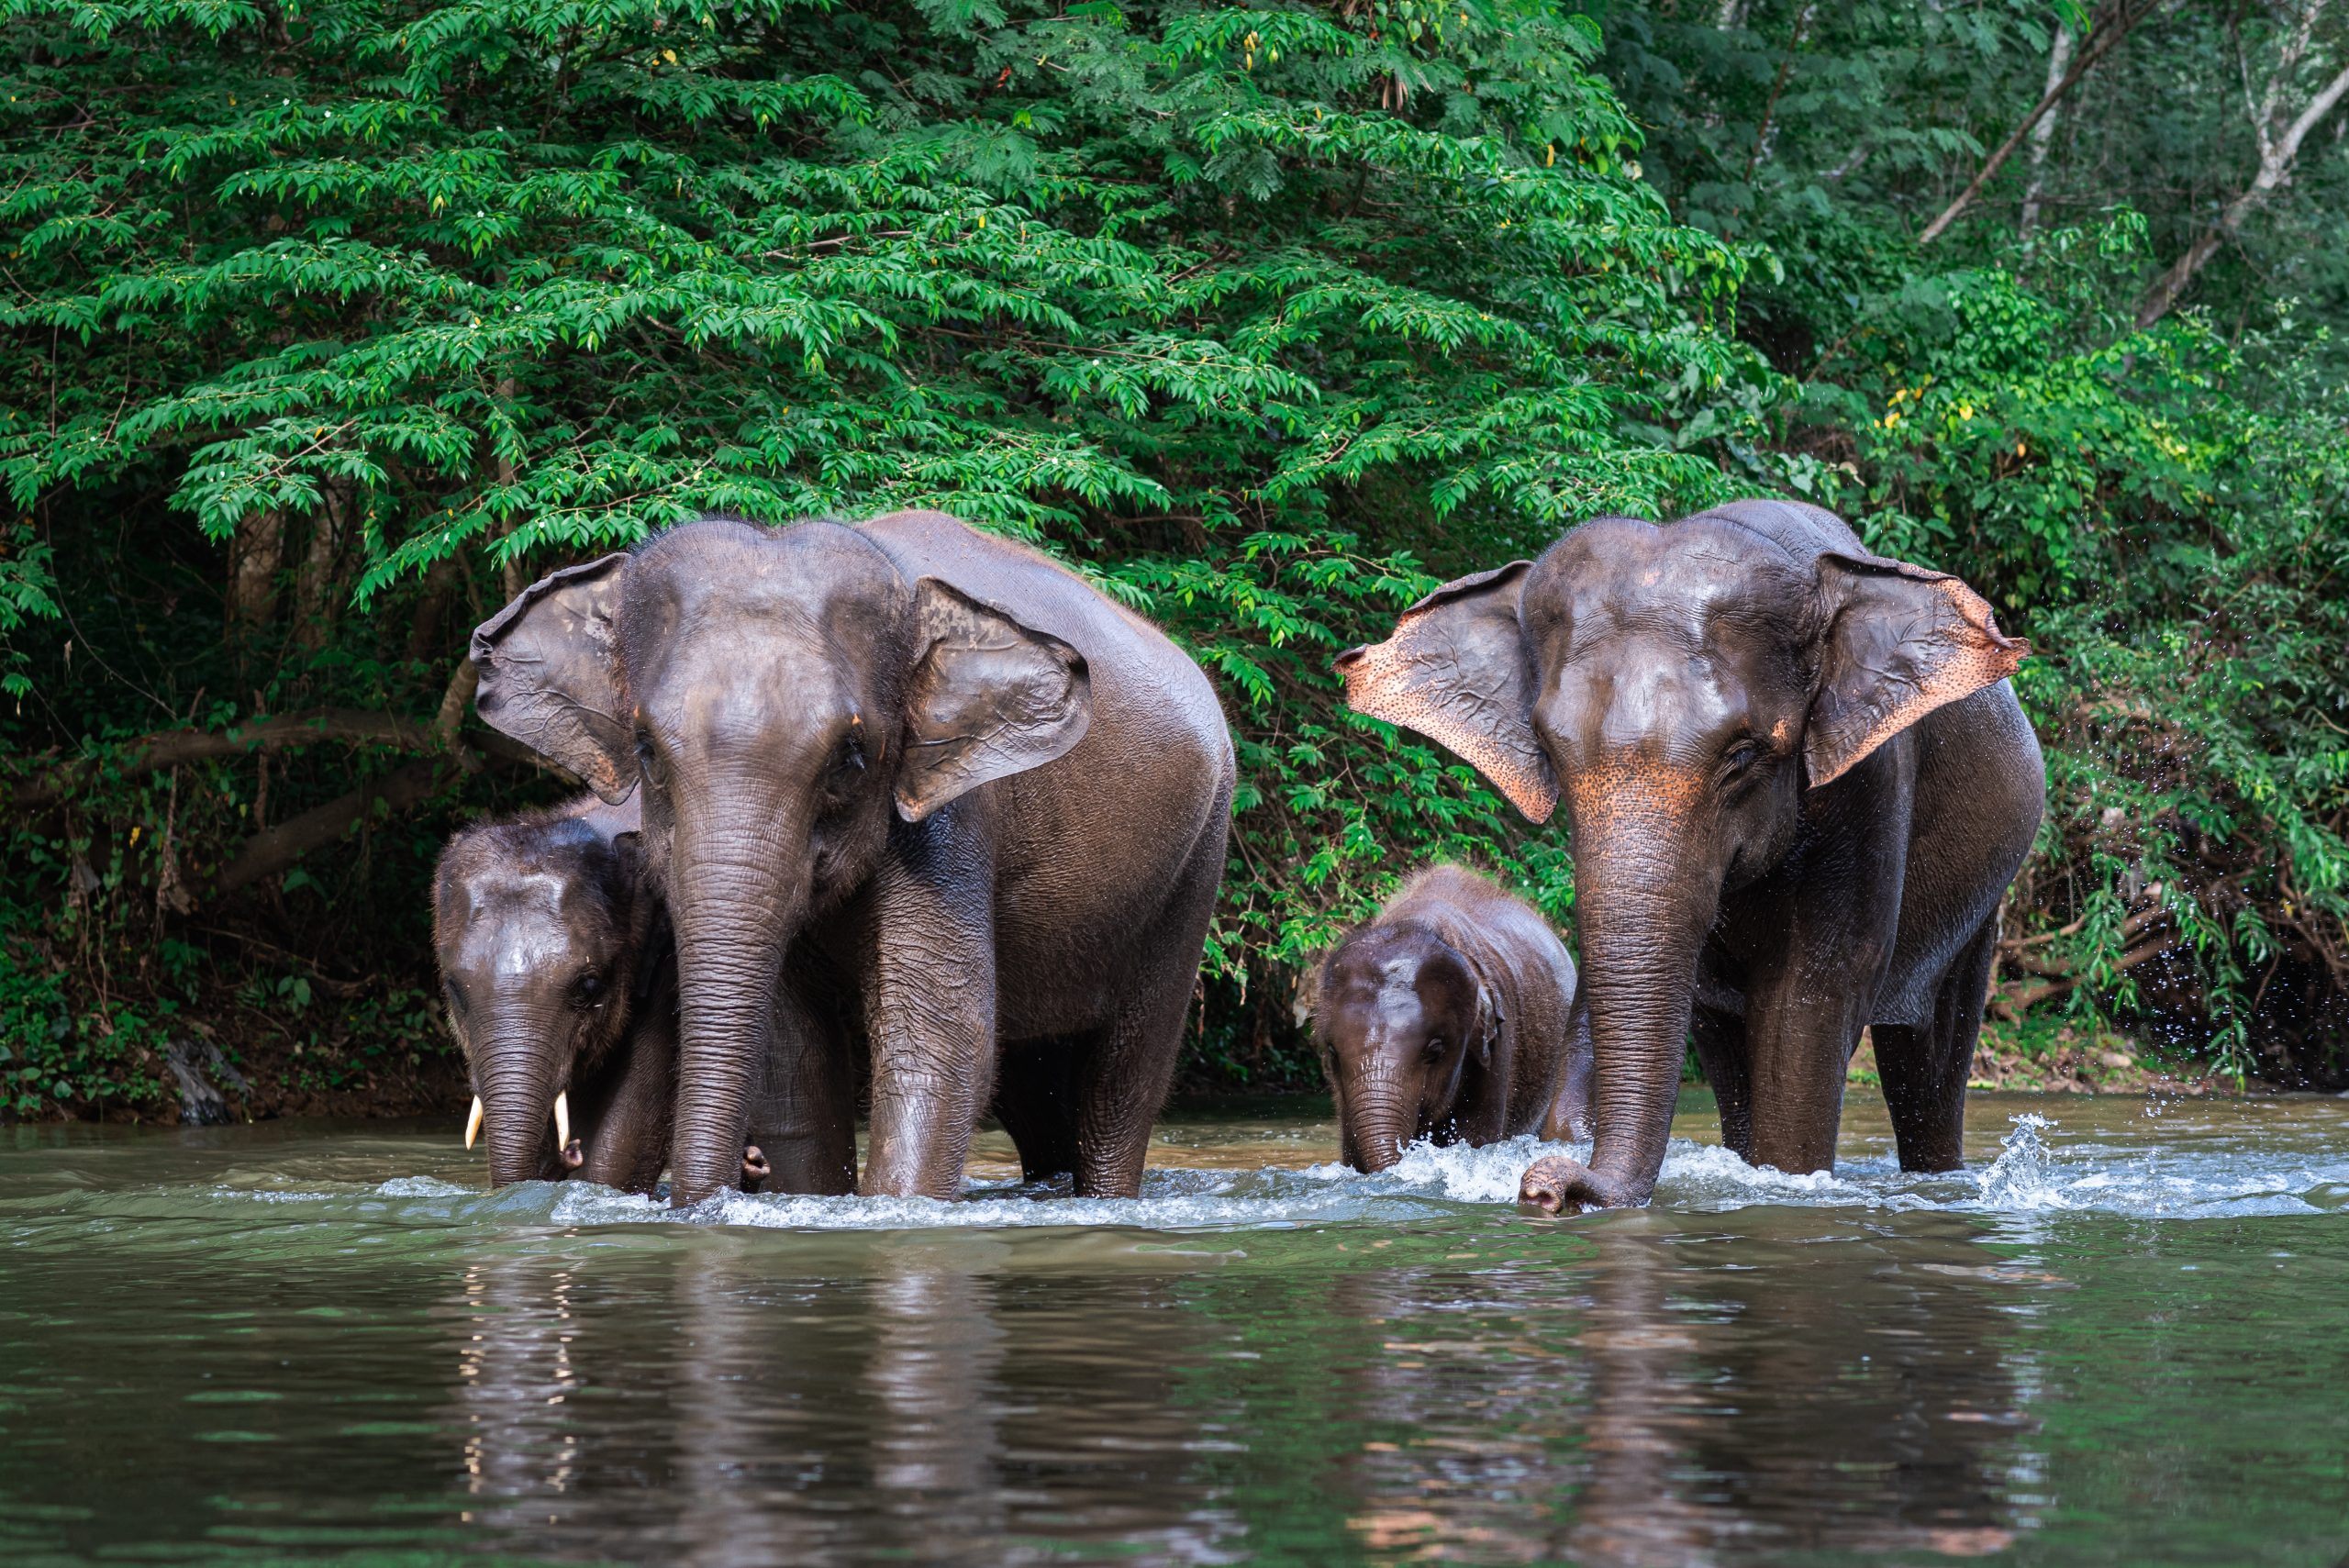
[(1558, 1187), (755, 1168)]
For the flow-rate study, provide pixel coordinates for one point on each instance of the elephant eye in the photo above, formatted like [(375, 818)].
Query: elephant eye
[(587, 991), (647, 760), (456, 998), (1741, 756), (1434, 1049), (847, 762)]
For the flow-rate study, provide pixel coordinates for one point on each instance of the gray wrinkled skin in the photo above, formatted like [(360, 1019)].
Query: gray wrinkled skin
[(982, 807), (1449, 1015), (555, 969), (1798, 783)]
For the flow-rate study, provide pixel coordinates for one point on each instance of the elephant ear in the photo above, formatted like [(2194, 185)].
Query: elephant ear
[(1456, 671), (1900, 642), (551, 674), (1490, 1014), (988, 697)]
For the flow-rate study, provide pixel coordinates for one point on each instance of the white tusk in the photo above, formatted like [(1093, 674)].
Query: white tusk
[(473, 1122), (563, 1120)]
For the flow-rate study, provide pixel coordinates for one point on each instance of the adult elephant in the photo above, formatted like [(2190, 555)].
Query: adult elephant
[(1798, 784), (935, 768)]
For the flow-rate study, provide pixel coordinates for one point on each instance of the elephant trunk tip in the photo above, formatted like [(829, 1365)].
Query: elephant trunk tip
[(690, 1186), (1379, 1152), (1556, 1186)]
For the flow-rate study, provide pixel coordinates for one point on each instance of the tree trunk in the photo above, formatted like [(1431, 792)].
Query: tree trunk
[(2059, 61), (256, 555), (317, 582), (2275, 159), (427, 626)]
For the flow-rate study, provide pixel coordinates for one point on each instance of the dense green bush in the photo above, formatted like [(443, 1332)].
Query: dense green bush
[(2162, 512)]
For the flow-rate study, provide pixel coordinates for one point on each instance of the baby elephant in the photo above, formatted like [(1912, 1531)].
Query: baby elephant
[(562, 987), (1450, 1016)]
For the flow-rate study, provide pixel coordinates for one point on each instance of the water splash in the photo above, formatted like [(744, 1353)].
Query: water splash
[(2026, 1174), (2226, 1165)]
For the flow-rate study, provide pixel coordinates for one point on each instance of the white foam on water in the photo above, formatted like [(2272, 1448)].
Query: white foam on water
[(1454, 1171), (2037, 1171), (422, 1187), (2033, 1172), (1171, 1200)]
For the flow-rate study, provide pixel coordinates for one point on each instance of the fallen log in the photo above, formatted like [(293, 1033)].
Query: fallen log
[(275, 850), (171, 748), (2012, 1005)]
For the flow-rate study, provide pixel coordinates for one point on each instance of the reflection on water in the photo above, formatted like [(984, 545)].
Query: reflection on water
[(2120, 1338)]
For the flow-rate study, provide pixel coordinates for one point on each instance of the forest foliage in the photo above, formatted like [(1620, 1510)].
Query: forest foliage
[(325, 328)]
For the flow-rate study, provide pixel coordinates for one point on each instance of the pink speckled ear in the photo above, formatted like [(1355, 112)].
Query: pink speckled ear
[(1900, 641), (1457, 671)]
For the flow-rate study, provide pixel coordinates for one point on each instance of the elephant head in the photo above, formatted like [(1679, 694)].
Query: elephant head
[(540, 927), (1400, 1014), (790, 702), (1683, 689)]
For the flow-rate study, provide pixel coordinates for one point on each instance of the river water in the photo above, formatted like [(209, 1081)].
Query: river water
[(2122, 1335)]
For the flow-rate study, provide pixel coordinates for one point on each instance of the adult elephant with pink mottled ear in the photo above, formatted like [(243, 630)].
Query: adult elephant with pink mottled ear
[(986, 804), (1798, 783)]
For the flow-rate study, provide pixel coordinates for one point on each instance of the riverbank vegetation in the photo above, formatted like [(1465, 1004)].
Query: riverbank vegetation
[(325, 327)]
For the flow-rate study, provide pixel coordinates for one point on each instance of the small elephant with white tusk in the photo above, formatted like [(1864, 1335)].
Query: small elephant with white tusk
[(557, 969), (1450, 1016)]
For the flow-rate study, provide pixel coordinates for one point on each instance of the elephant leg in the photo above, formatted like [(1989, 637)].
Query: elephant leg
[(1925, 1068), (1573, 1115), (804, 1119), (1811, 988), (628, 1143), (1123, 1080), (929, 1005), (1122, 1085), (1720, 1039), (1798, 1060)]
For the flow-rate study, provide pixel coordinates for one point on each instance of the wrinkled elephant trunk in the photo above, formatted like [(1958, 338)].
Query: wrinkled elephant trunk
[(517, 1100), (1641, 922), (1373, 1130), (737, 900)]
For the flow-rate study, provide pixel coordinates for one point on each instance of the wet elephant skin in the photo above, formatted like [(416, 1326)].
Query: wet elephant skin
[(990, 800), (1448, 1015), (556, 969), (1798, 783)]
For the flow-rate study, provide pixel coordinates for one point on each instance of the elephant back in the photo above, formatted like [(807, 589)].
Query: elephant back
[(1150, 693), (1804, 531)]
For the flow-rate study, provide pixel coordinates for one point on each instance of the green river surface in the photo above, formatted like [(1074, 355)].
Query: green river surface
[(2120, 1336)]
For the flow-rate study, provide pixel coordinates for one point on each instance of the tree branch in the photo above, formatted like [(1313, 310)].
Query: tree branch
[(2012, 1005), (173, 748), (2274, 169), (1770, 107), (274, 849), (2100, 42)]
